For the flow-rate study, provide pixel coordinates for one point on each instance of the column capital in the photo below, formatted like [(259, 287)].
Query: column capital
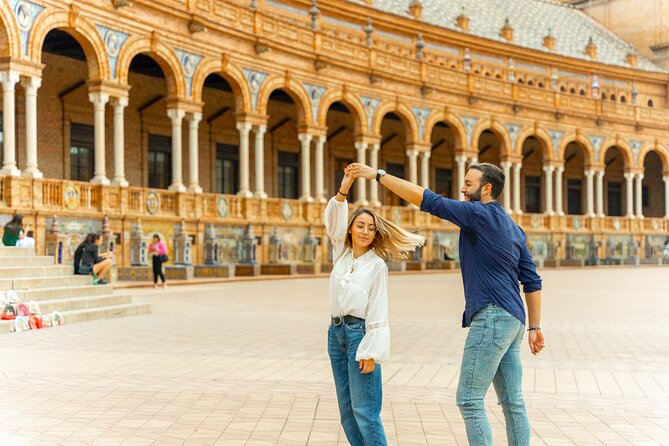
[(666, 179), (639, 176), (589, 173), (425, 155), (244, 126), (9, 79), (548, 168), (98, 99), (628, 175), (176, 115), (320, 139), (412, 153), (504, 164), (194, 118), (305, 138), (360, 145), (119, 101), (260, 129), (460, 159), (559, 169), (31, 83)]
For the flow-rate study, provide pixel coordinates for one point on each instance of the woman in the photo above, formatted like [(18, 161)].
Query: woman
[(14, 231), (158, 252), (359, 336), (92, 261)]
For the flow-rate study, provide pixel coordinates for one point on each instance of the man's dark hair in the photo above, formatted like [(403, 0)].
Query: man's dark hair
[(493, 175)]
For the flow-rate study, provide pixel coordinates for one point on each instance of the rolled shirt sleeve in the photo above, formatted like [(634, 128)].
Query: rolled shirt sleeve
[(527, 271), (457, 212)]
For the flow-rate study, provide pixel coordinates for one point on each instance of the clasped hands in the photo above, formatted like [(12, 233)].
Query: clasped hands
[(359, 170)]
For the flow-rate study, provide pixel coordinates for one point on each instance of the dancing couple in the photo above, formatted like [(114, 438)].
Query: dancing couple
[(494, 260)]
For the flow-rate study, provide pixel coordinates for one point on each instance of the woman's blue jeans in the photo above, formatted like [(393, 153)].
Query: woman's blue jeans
[(359, 395), (492, 355)]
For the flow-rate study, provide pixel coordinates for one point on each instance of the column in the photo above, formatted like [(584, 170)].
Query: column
[(506, 167), (639, 197), (629, 188), (374, 164), (30, 85), (460, 180), (425, 169), (666, 196), (244, 129), (600, 193), (516, 188), (99, 101), (413, 166), (176, 116), (558, 190), (9, 80), (259, 150), (119, 105), (193, 153), (361, 149), (320, 176), (548, 190), (589, 174), (305, 169)]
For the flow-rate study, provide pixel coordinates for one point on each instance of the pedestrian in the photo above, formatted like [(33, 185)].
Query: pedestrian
[(158, 252), (359, 335), (88, 260), (14, 230), (494, 258)]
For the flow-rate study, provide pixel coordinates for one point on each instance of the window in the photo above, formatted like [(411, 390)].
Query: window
[(340, 164), (160, 161), (396, 170), (532, 194), (82, 143), (227, 169), (650, 103), (572, 91), (288, 175), (574, 197), (444, 182), (614, 196)]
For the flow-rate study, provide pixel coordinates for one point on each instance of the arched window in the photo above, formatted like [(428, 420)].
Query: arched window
[(572, 90), (487, 74), (521, 81), (613, 97), (540, 85), (530, 83), (623, 99), (604, 96), (498, 76), (563, 89), (650, 103), (582, 92)]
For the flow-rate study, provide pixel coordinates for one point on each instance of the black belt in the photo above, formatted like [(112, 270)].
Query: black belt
[(338, 320)]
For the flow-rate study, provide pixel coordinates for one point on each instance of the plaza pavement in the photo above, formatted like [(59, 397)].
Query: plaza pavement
[(245, 364)]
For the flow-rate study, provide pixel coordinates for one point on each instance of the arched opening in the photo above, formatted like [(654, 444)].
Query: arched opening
[(572, 90), (623, 99), (532, 176), (340, 147), (283, 145), (540, 85), (581, 92), (603, 96), (530, 83), (574, 187), (521, 81), (490, 147), (219, 138), (563, 89), (392, 156), (443, 171), (650, 103), (615, 187), (613, 98), (652, 186), (70, 136)]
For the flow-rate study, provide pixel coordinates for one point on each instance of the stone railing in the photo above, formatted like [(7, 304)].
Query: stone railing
[(63, 197)]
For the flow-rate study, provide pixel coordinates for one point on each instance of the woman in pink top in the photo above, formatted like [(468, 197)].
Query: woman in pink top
[(158, 252)]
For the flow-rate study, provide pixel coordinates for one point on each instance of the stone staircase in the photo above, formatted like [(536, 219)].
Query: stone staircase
[(55, 287)]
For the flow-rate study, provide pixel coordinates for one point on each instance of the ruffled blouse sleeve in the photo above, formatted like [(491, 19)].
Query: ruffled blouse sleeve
[(376, 342), (336, 223)]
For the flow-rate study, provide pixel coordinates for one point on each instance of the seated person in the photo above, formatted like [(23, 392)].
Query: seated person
[(87, 259), (28, 241), (14, 231)]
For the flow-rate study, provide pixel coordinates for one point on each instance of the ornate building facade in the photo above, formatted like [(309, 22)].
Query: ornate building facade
[(225, 125)]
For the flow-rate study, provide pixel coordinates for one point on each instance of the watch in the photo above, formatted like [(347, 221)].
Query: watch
[(379, 174)]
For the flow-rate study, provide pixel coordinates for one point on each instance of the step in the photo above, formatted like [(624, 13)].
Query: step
[(62, 292), (27, 261), (8, 251), (80, 303), (48, 281), (91, 314), (18, 272)]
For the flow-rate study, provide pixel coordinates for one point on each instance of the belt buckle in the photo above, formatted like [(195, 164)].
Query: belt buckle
[(337, 321)]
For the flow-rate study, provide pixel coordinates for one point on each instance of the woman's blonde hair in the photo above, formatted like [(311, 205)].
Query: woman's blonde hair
[(390, 241)]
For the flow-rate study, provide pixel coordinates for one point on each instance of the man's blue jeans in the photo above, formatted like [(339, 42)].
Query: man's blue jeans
[(359, 395), (492, 355)]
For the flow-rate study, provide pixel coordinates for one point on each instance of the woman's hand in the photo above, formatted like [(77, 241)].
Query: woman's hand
[(366, 365), (346, 182)]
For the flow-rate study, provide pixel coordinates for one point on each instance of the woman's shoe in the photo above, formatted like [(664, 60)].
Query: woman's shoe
[(155, 285), (164, 285), (102, 282)]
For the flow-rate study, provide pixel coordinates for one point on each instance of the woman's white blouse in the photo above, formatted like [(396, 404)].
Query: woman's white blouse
[(358, 287)]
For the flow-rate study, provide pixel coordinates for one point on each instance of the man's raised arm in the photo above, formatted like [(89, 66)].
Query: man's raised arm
[(402, 188)]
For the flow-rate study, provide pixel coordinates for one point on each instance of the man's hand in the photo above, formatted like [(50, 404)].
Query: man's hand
[(358, 170), (366, 365), (536, 341)]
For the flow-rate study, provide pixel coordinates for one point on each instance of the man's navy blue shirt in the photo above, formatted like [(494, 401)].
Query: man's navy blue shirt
[(493, 254)]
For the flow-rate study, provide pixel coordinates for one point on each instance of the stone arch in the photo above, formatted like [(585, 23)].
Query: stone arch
[(163, 55), (540, 135), (499, 130), (10, 38), (662, 152), (405, 114), (351, 101), (453, 122), (293, 88), (83, 31), (232, 75), (622, 146), (582, 141)]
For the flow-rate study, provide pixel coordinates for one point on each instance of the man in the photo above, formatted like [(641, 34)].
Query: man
[(493, 258)]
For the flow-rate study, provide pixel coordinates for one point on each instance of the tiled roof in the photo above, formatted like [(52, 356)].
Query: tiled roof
[(531, 20)]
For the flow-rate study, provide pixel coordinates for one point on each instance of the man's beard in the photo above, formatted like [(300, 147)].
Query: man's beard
[(476, 196)]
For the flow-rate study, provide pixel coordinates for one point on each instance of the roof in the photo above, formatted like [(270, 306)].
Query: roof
[(531, 21)]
